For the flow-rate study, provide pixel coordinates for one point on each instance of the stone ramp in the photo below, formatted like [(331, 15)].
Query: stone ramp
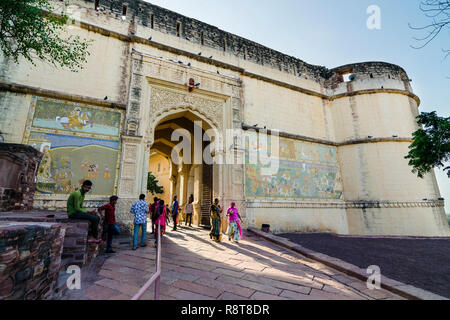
[(196, 268)]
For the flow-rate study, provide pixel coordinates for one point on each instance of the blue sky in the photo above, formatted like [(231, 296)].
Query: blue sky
[(334, 33)]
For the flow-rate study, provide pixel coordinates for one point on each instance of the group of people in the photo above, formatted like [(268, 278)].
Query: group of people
[(234, 230), (159, 212)]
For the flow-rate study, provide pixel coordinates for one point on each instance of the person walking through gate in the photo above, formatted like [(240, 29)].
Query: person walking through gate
[(76, 211), (216, 210), (140, 210), (175, 209), (110, 227), (189, 210), (152, 212), (160, 218)]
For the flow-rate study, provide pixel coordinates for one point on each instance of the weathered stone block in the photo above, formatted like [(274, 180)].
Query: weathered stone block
[(8, 256), (24, 275), (6, 287)]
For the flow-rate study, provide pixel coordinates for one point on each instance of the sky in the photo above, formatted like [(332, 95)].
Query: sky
[(334, 33)]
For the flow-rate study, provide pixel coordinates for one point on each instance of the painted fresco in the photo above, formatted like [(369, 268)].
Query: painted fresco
[(79, 142), (68, 161), (59, 115), (304, 171)]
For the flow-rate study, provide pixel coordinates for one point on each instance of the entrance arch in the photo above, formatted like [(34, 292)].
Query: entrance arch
[(191, 175)]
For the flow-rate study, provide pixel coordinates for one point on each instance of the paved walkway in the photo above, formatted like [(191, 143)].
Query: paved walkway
[(196, 268), (421, 262)]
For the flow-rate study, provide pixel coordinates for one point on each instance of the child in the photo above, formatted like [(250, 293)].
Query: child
[(110, 221)]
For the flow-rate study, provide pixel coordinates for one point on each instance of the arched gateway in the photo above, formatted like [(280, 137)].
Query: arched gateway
[(163, 117), (188, 171)]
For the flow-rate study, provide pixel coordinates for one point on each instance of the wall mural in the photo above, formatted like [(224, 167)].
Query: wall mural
[(79, 142), (59, 115), (305, 171)]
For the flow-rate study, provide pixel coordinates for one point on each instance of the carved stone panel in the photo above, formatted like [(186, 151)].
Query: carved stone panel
[(164, 100)]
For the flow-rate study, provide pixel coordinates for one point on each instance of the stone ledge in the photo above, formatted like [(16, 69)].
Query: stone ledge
[(326, 204), (396, 287)]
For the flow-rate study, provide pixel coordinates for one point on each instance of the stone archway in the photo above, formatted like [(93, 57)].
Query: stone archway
[(194, 177)]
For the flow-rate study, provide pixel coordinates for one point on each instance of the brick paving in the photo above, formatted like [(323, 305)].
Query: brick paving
[(195, 268), (420, 262)]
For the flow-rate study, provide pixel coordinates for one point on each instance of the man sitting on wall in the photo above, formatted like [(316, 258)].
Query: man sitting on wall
[(75, 210)]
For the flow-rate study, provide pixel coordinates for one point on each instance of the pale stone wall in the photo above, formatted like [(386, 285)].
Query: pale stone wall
[(242, 84), (283, 109), (300, 220), (159, 166), (13, 115)]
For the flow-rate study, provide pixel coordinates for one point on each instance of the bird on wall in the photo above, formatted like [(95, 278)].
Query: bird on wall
[(150, 39), (211, 57), (189, 64), (106, 98), (199, 54)]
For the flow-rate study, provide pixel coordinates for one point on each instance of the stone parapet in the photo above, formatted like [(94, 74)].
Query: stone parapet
[(18, 168), (30, 259)]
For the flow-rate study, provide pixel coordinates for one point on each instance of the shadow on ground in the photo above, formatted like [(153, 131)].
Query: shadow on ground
[(423, 263)]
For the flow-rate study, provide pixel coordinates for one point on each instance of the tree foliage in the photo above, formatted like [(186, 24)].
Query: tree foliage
[(431, 146), (30, 29), (153, 185)]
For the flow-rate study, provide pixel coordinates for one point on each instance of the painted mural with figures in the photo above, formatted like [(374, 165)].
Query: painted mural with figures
[(79, 142), (298, 170)]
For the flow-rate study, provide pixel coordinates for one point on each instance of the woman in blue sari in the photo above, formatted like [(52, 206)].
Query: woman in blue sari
[(216, 210)]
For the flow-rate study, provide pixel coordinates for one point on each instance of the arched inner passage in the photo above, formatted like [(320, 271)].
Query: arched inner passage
[(176, 160)]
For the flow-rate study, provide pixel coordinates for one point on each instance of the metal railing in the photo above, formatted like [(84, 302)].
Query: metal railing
[(156, 278)]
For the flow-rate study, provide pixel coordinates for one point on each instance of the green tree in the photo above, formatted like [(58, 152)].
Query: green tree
[(30, 29), (431, 146), (153, 185)]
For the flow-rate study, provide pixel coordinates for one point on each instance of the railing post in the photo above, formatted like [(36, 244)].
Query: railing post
[(156, 278), (158, 262)]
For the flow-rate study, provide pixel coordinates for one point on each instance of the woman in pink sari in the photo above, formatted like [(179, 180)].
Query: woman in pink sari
[(160, 219), (234, 229)]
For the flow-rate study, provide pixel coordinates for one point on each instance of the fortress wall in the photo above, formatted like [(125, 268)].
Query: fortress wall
[(283, 109), (278, 91), (104, 74), (379, 172), (402, 221), (299, 220), (375, 130), (227, 49), (378, 115), (14, 109), (369, 75)]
